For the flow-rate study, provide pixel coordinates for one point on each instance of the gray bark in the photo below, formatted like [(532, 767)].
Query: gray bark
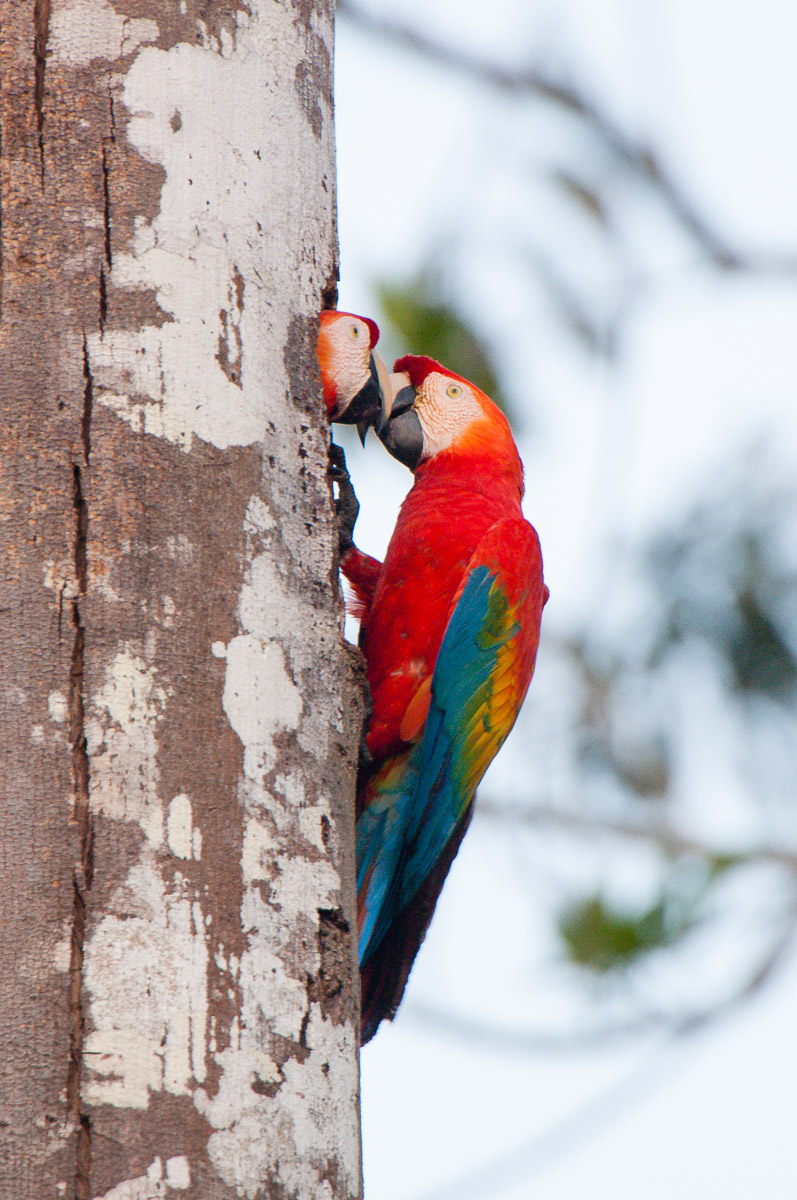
[(178, 710)]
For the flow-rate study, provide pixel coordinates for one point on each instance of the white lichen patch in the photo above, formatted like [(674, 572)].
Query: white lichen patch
[(126, 1065), (59, 577), (181, 549), (178, 1172), (312, 820), (122, 745), (298, 885), (264, 602), (130, 696), (257, 851), (302, 886), (179, 827), (259, 696), (270, 614), (145, 973), (258, 520), (57, 707), (169, 612), (62, 950), (215, 252), (297, 1134), (154, 1185), (83, 30)]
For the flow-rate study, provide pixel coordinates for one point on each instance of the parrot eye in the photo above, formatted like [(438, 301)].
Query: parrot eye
[(355, 331), (453, 390)]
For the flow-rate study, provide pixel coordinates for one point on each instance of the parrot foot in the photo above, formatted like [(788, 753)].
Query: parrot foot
[(347, 505)]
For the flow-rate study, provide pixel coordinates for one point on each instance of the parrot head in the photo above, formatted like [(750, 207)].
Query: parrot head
[(355, 380), (434, 412)]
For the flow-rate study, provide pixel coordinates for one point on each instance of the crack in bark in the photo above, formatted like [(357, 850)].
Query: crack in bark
[(103, 300), (84, 872), (60, 612), (1, 225), (111, 114), (41, 26), (106, 220), (85, 427), (106, 202)]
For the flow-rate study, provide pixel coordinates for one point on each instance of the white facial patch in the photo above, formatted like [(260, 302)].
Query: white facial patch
[(352, 357), (445, 418)]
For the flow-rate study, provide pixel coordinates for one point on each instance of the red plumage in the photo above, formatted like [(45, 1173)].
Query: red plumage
[(461, 522)]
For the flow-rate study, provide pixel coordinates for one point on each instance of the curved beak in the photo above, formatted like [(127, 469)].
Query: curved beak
[(400, 431), (381, 392), (402, 401), (368, 406)]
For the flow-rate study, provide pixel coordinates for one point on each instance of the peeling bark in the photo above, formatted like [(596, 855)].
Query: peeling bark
[(178, 711)]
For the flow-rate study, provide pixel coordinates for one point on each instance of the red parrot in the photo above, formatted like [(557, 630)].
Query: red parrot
[(354, 378), (450, 624)]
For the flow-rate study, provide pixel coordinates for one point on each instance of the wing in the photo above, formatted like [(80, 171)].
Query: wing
[(384, 977), (417, 800)]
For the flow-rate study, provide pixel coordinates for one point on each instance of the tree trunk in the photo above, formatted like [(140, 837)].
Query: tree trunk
[(177, 707)]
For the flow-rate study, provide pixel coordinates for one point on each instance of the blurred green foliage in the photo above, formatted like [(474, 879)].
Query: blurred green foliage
[(759, 656), (723, 585), (425, 323), (602, 938)]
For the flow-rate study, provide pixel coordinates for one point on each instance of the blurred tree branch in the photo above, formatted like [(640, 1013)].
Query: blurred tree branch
[(494, 1037), (669, 840), (531, 1158), (637, 157), (542, 1041)]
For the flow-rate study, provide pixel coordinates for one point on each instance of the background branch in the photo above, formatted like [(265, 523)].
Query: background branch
[(667, 838), (637, 157)]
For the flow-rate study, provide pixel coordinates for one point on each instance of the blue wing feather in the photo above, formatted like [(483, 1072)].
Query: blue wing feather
[(419, 797)]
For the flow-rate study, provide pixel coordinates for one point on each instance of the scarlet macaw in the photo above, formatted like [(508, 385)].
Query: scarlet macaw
[(354, 378), (450, 624)]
